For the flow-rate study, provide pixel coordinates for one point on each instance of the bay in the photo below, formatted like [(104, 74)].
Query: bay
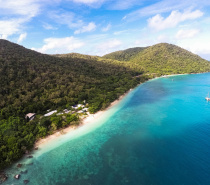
[(159, 134)]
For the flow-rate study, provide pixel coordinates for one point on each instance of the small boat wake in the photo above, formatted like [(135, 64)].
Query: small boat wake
[(207, 98)]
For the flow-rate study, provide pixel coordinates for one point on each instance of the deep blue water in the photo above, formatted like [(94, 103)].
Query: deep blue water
[(159, 134)]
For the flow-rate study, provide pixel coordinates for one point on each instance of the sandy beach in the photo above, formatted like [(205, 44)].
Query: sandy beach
[(166, 76), (87, 120), (174, 75)]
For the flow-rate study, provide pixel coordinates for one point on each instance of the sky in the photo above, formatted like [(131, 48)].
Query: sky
[(98, 27)]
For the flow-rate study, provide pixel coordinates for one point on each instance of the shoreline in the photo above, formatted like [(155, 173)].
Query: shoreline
[(84, 121), (166, 76), (89, 118)]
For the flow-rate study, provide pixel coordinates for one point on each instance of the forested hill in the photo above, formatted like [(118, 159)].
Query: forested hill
[(76, 55), (31, 82), (163, 59), (167, 58), (124, 55)]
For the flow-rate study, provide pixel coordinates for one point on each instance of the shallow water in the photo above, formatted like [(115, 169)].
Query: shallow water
[(159, 134)]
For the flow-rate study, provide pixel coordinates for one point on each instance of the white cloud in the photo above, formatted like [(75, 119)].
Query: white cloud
[(86, 1), (108, 46), (60, 45), (22, 37), (190, 33), (152, 39), (66, 18), (159, 23), (163, 38), (198, 45), (144, 42), (91, 3), (124, 5), (120, 32), (165, 6), (159, 7), (11, 26), (90, 27), (49, 27), (72, 20), (3, 36), (125, 17), (15, 14), (107, 28), (24, 7)]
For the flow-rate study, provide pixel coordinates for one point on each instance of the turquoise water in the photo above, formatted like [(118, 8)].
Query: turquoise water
[(159, 134)]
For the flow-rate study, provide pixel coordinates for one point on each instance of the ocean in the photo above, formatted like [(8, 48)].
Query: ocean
[(159, 134)]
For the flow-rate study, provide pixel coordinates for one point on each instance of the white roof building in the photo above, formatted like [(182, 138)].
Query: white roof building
[(30, 116), (50, 113)]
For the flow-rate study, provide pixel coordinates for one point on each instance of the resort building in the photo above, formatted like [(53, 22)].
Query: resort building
[(50, 113), (30, 116)]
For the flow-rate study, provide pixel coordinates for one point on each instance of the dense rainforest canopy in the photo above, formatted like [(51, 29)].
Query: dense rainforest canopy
[(31, 82)]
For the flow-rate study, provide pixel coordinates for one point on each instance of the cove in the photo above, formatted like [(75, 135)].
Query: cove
[(159, 134)]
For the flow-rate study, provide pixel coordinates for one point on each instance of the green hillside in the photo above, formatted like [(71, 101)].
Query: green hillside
[(136, 68), (170, 59), (163, 59), (31, 82), (124, 55), (76, 55), (35, 82)]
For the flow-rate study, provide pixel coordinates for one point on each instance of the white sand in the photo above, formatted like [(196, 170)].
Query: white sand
[(174, 75), (87, 120)]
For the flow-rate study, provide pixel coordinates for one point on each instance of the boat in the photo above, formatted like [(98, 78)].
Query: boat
[(207, 98)]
